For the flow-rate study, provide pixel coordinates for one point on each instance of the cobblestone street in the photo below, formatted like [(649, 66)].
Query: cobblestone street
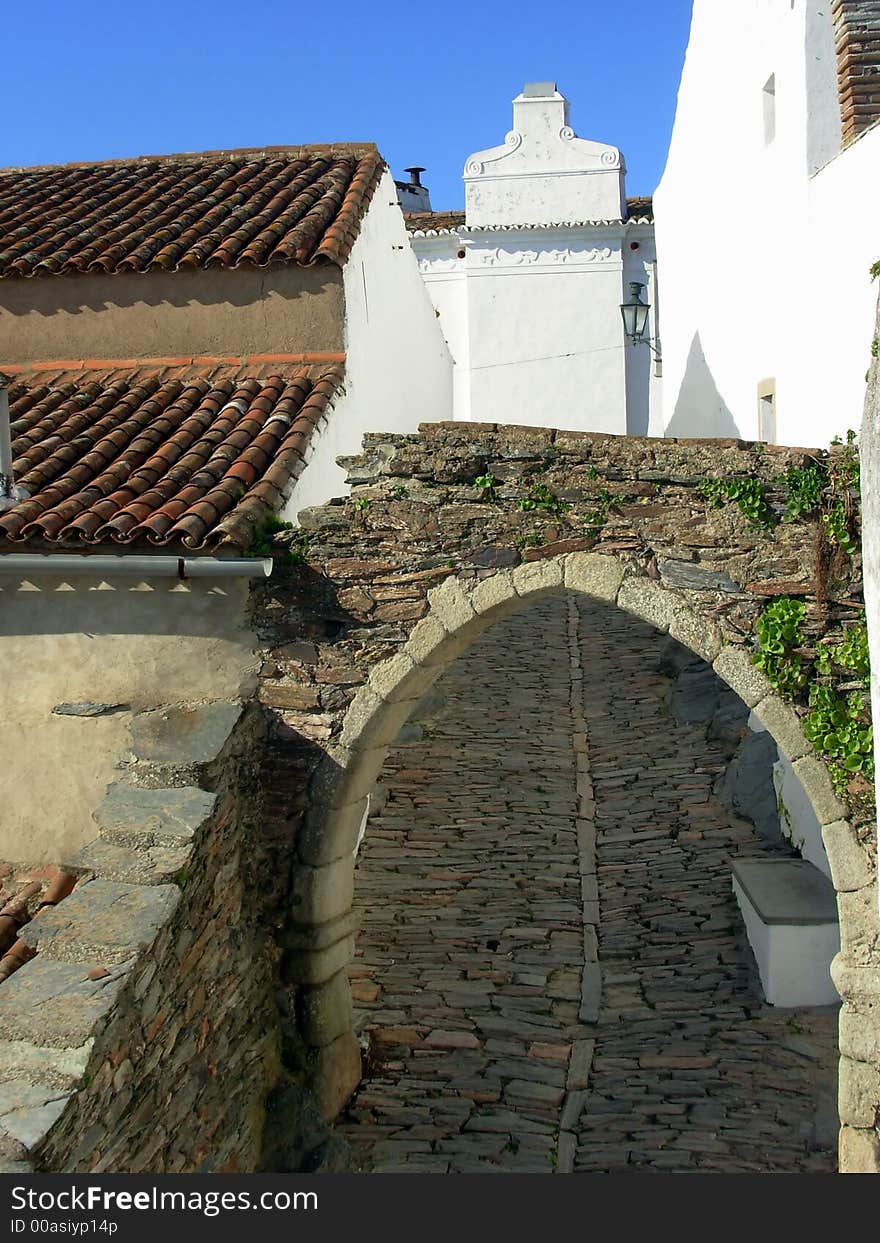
[(551, 971)]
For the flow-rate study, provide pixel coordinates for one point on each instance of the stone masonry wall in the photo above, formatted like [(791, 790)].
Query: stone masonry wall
[(446, 532), (144, 1034)]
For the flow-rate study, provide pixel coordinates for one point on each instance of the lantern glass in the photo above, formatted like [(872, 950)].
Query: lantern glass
[(635, 313)]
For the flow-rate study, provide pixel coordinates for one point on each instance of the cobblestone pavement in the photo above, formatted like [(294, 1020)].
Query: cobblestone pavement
[(551, 972)]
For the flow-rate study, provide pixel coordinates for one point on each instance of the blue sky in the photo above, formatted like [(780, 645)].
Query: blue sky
[(427, 83)]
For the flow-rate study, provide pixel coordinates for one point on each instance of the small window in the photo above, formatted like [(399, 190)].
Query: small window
[(770, 109), (767, 412)]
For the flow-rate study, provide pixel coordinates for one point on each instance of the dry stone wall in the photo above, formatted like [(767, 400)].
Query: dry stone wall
[(143, 1037)]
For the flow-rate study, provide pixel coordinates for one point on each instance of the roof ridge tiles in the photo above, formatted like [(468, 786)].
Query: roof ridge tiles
[(295, 151)]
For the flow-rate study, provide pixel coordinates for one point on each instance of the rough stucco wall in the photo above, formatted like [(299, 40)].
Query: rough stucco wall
[(398, 369), (68, 643), (177, 314)]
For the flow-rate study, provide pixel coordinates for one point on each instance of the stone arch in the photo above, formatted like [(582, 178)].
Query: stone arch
[(459, 611)]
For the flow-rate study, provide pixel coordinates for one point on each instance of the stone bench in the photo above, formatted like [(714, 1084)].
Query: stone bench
[(790, 912)]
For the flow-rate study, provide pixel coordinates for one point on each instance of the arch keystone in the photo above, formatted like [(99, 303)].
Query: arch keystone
[(536, 577), (734, 666), (596, 575)]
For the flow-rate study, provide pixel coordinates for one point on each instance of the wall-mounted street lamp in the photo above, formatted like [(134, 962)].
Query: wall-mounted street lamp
[(635, 321)]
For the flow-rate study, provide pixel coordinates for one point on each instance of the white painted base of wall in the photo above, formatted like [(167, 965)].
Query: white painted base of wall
[(794, 961), (797, 820)]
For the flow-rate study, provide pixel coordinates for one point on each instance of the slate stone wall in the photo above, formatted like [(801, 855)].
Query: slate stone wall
[(144, 1036)]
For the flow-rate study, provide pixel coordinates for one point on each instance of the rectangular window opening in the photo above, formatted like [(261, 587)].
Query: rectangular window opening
[(767, 415), (769, 96)]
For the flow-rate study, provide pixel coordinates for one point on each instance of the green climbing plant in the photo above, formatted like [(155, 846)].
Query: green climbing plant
[(779, 631), (803, 487), (540, 497), (747, 494), (839, 727)]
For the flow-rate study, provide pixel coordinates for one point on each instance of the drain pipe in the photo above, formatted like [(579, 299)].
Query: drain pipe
[(182, 568), (7, 481)]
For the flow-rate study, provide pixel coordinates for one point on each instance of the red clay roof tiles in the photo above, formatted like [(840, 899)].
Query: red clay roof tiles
[(165, 213), (191, 456), (857, 40), (433, 221)]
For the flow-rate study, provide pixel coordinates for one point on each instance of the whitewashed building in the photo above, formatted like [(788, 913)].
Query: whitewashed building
[(767, 221), (529, 279)]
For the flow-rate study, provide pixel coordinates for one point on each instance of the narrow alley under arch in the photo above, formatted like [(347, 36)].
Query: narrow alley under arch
[(544, 808)]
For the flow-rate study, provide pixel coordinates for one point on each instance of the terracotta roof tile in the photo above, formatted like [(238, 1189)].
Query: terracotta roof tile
[(164, 213), (192, 454), (857, 38), (450, 221)]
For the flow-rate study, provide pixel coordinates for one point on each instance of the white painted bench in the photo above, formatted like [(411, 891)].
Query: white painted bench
[(790, 913)]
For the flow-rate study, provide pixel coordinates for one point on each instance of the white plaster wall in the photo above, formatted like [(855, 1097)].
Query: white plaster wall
[(545, 332), (141, 645), (763, 271), (797, 819), (398, 369)]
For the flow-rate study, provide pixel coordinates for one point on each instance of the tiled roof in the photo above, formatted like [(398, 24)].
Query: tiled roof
[(857, 38), (423, 222), (162, 213), (186, 453)]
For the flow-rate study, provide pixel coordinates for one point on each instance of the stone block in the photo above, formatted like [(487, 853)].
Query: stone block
[(580, 1065), (858, 918), (325, 1011), (55, 1004), (643, 598), (316, 966), (319, 936), (401, 678), (158, 865), (734, 666), (28, 1112), (495, 596), (52, 1068), (330, 833), (696, 634), (858, 1093), (595, 575), (430, 645), (102, 921), (860, 1032), (335, 1075), (859, 1151), (852, 867), (813, 776), (536, 578), (181, 736), (781, 720), (134, 816), (320, 895), (591, 993), (372, 722), (451, 606)]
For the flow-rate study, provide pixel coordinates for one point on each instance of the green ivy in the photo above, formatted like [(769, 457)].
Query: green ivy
[(539, 496), (851, 655), (488, 484), (840, 729), (803, 487), (779, 630), (747, 495), (263, 540), (837, 528)]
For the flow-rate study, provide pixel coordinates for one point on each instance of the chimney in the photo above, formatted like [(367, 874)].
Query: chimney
[(412, 195)]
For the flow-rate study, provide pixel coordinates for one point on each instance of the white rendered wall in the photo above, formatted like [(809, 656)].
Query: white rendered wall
[(398, 369), (763, 264)]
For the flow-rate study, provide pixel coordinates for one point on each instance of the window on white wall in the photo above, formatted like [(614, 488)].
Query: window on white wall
[(767, 412), (769, 95)]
